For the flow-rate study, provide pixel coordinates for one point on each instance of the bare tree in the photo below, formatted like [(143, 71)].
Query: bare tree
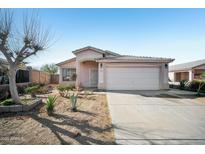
[(16, 47)]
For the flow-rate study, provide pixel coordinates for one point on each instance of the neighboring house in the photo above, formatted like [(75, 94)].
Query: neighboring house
[(111, 71), (187, 71)]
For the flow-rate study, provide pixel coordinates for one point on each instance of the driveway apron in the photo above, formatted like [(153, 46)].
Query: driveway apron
[(144, 118)]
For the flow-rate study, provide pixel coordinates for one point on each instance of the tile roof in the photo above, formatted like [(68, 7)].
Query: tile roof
[(129, 58), (186, 66), (115, 57)]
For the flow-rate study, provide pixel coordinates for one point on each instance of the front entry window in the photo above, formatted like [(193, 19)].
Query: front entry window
[(68, 74)]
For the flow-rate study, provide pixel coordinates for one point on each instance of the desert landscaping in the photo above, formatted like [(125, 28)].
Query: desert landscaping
[(91, 124)]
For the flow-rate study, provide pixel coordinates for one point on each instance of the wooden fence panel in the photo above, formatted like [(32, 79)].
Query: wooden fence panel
[(54, 78), (40, 77)]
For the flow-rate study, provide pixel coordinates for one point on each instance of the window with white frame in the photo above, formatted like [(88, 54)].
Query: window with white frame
[(68, 74)]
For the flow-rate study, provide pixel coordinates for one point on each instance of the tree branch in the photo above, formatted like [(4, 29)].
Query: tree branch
[(3, 66), (6, 19)]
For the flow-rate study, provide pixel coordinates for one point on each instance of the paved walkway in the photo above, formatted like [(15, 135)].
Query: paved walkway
[(145, 118)]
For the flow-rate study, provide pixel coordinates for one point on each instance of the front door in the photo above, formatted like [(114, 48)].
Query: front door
[(93, 77)]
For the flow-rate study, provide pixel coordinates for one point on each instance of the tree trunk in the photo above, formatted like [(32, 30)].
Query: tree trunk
[(199, 88), (12, 85)]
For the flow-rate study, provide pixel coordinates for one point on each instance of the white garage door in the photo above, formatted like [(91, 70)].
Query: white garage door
[(132, 78)]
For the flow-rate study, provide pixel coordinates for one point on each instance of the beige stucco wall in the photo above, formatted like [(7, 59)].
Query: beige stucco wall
[(163, 82), (87, 55), (82, 75), (171, 76), (85, 68), (71, 64)]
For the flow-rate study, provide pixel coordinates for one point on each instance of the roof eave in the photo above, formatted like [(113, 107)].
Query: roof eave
[(136, 61), (66, 61), (180, 70)]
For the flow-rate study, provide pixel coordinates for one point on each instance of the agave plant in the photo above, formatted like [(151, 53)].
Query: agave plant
[(73, 100), (50, 103)]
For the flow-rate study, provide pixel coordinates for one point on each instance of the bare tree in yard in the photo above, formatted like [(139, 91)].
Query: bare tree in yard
[(16, 47)]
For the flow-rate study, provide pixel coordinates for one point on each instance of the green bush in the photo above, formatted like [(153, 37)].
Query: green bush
[(63, 88), (50, 103), (73, 101), (183, 84), (194, 85), (32, 90), (7, 102)]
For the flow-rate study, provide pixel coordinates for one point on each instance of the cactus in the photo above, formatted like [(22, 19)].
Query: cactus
[(73, 100)]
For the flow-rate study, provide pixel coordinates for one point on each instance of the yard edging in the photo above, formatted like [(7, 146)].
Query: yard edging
[(20, 108)]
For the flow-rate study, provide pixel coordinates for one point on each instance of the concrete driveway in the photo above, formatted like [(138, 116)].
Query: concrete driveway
[(156, 117)]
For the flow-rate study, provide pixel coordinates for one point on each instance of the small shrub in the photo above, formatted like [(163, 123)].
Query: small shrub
[(73, 100), (201, 83), (182, 84), (194, 85), (32, 90), (64, 90), (61, 88), (187, 85), (44, 90), (7, 102), (50, 103)]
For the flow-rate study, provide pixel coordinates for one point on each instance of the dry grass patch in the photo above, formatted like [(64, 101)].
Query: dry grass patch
[(90, 125)]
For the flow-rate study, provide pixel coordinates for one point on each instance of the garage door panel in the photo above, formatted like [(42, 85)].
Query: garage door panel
[(132, 78)]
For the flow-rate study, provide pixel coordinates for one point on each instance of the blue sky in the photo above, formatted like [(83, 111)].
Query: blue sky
[(174, 33)]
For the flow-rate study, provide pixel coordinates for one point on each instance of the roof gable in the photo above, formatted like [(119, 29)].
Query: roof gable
[(66, 61), (96, 50)]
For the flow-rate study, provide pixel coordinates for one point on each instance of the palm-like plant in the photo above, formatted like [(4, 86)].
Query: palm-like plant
[(50, 103)]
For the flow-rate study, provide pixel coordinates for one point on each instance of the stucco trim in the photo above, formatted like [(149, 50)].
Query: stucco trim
[(66, 61)]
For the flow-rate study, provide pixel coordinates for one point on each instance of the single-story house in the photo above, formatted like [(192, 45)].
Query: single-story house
[(187, 71), (111, 71)]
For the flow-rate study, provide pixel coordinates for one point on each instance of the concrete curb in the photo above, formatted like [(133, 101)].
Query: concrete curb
[(20, 108)]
